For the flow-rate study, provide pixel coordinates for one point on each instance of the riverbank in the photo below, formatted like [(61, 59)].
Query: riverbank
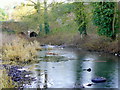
[(91, 42), (18, 75), (14, 48), (15, 53)]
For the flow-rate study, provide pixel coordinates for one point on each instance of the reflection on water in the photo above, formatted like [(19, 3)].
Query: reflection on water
[(68, 69)]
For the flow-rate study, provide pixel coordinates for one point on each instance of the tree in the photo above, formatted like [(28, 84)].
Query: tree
[(3, 15), (61, 17), (60, 9), (37, 6), (46, 25), (30, 13), (81, 18), (21, 11), (105, 17)]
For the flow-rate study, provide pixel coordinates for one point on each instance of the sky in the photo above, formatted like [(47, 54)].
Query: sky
[(6, 3), (9, 3)]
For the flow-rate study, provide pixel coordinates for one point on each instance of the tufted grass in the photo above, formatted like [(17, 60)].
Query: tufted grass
[(20, 50)]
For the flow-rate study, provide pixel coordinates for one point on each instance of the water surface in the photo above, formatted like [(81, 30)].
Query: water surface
[(68, 69)]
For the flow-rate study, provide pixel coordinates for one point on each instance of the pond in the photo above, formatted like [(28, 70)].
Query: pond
[(73, 68)]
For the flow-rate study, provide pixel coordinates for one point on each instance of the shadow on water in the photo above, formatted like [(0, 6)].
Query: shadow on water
[(72, 68)]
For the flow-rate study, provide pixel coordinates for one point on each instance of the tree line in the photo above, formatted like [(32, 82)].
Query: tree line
[(104, 15)]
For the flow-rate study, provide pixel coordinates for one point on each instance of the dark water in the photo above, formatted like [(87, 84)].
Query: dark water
[(67, 69)]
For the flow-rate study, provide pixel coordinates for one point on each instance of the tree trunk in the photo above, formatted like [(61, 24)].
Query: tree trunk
[(46, 25)]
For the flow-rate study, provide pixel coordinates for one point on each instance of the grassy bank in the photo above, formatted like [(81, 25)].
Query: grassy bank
[(15, 51), (18, 49)]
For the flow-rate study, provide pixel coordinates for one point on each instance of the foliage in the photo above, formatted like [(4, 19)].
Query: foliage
[(21, 11), (64, 24), (61, 18), (38, 21), (33, 20), (46, 24), (81, 15), (35, 15), (60, 9), (105, 18), (39, 13), (20, 50), (3, 15), (47, 29), (29, 14), (12, 27), (39, 17)]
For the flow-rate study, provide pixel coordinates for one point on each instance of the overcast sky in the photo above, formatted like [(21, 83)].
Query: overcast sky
[(6, 3)]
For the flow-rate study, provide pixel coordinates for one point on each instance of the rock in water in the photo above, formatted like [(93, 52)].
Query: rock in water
[(89, 69), (90, 84), (99, 80)]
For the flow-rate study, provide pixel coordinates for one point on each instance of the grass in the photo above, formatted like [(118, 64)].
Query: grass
[(19, 49), (5, 81), (14, 50)]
